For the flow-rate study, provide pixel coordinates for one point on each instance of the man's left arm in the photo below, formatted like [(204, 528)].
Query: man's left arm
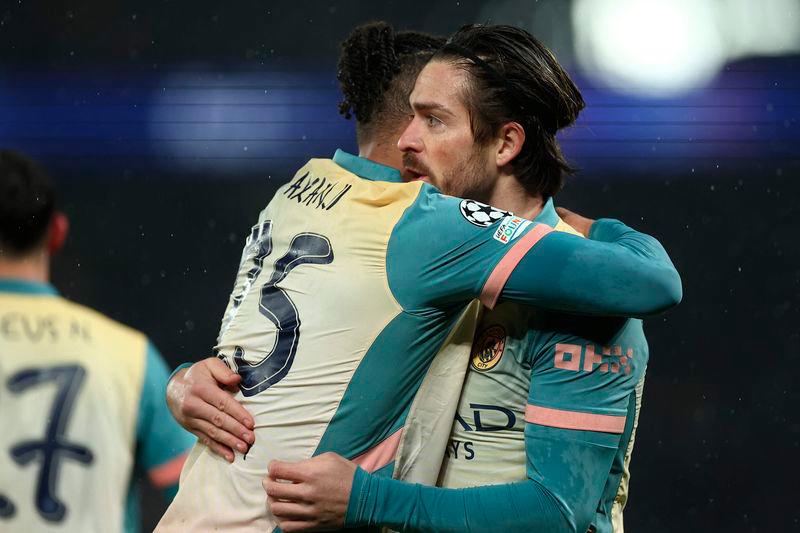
[(571, 468), (576, 416)]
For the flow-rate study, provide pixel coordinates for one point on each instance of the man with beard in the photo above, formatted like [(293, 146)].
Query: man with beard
[(571, 440), (659, 292)]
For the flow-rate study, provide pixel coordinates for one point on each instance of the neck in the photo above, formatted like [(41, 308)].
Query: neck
[(31, 267), (377, 152), (383, 149), (509, 194)]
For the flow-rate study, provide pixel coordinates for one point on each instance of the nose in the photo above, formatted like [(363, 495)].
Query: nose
[(410, 140)]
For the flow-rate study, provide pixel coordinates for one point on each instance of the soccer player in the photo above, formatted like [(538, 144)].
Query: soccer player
[(581, 376), (378, 271), (81, 396)]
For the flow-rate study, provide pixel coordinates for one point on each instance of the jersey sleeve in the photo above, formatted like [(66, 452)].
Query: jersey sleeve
[(443, 249), (162, 443), (579, 407), (618, 271), (442, 252)]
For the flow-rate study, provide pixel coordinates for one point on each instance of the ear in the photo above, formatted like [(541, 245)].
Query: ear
[(509, 142), (57, 233)]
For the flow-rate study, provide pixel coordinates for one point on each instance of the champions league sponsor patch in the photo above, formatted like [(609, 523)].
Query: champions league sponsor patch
[(481, 215), (510, 229)]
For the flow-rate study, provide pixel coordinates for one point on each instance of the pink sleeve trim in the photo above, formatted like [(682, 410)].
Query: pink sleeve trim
[(557, 418), (169, 473), (499, 276), (381, 455)]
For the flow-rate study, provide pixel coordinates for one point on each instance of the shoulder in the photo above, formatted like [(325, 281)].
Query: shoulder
[(107, 328), (448, 217)]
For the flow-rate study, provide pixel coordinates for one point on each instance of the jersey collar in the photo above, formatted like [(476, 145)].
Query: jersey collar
[(365, 168), (548, 215), (24, 286), (375, 171)]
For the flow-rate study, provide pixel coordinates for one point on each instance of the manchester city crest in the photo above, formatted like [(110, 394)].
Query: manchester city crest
[(488, 348)]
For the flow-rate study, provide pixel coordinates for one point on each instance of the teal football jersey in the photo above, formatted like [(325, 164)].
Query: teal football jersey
[(349, 285), (549, 398)]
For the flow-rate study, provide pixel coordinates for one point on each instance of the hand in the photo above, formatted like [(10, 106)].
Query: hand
[(200, 400), (317, 496), (581, 224)]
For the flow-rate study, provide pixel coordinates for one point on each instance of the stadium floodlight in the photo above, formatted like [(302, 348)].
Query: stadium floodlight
[(769, 27), (650, 47)]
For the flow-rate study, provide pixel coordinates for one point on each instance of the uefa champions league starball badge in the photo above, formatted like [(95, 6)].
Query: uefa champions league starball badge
[(481, 215)]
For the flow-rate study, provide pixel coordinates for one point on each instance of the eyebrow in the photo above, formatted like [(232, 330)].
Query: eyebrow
[(431, 106)]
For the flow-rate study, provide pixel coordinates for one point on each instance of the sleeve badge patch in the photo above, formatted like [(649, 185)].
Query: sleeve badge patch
[(481, 215), (511, 228)]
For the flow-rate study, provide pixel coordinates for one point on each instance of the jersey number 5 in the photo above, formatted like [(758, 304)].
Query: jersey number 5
[(278, 308)]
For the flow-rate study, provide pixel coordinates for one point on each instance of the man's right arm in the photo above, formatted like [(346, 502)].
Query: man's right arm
[(200, 399), (616, 272)]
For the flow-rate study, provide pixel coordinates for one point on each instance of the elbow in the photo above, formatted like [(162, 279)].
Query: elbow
[(665, 291), (671, 290)]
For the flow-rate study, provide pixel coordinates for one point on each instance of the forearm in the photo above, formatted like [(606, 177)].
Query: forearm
[(523, 506), (180, 369), (619, 272)]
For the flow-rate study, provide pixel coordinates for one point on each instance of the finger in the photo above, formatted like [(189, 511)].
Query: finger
[(219, 435), (297, 525), (207, 407), (223, 451), (285, 470), (293, 492), (225, 403), (221, 372), (290, 510)]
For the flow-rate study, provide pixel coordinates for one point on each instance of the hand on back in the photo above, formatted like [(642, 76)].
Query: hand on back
[(310, 495), (580, 223), (200, 398)]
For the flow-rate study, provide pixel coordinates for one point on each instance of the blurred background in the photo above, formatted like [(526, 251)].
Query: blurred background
[(168, 125)]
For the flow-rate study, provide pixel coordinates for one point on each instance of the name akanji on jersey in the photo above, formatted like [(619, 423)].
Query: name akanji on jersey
[(348, 287)]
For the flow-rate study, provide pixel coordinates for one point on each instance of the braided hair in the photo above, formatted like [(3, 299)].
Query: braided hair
[(376, 73)]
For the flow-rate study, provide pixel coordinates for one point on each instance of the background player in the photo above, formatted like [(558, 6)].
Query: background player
[(276, 396), (81, 396), (582, 372)]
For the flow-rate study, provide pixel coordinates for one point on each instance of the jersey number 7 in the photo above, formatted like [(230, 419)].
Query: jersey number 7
[(54, 447)]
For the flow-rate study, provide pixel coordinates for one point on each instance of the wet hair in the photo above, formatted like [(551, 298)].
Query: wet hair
[(515, 78), (27, 204), (377, 70)]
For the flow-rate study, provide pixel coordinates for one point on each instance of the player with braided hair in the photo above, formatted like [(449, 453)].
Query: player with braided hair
[(381, 272), (377, 70), (550, 402)]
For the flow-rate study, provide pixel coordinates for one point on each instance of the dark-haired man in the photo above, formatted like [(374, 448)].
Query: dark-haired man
[(365, 415), (82, 396), (486, 110)]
